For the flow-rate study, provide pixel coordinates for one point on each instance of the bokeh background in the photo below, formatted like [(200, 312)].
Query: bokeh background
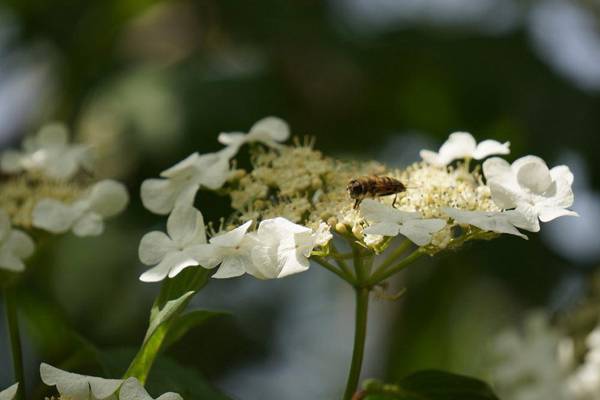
[(149, 82)]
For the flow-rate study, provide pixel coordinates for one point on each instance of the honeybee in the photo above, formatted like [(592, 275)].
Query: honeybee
[(373, 186)]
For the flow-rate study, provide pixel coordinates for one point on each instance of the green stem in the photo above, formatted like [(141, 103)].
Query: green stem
[(339, 260), (383, 274), (15, 339), (360, 334), (394, 254), (321, 261)]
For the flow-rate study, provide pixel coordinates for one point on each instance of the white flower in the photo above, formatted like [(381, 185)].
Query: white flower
[(49, 152), (277, 249), (132, 389), (231, 250), (270, 131), (322, 235), (85, 216), (462, 145), (9, 393), (183, 180), (493, 221), (15, 245), (584, 382), (389, 221), (531, 188), (175, 251), (79, 387), (282, 248)]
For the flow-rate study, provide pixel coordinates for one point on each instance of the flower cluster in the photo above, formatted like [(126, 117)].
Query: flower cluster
[(287, 204), (49, 185), (541, 363)]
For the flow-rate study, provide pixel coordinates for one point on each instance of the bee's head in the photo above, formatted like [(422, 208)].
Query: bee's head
[(355, 188)]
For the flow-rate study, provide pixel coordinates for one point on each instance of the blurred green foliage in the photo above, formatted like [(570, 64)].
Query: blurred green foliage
[(220, 66)]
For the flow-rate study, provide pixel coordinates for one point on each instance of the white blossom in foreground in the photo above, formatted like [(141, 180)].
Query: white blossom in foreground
[(270, 131), (492, 221), (231, 250), (388, 221), (132, 389), (85, 216), (49, 152), (528, 186), (180, 183), (79, 387), (462, 145), (282, 248), (15, 246), (9, 393), (176, 250)]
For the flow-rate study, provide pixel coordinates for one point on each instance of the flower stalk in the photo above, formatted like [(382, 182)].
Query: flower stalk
[(360, 335), (12, 323)]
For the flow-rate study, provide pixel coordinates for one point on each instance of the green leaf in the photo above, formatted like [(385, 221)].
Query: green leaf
[(170, 376), (174, 296), (185, 322), (162, 315), (429, 385)]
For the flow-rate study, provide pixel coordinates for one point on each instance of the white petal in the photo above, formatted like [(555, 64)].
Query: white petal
[(78, 387), (10, 392), (293, 263), (458, 145), (525, 217), (53, 134), (20, 244), (161, 271), (90, 224), (419, 231), (563, 196), (10, 262), (132, 389), (264, 258), (488, 221), (186, 225), (232, 138), (233, 237), (562, 173), (490, 147), (62, 166), (154, 246), (496, 168), (504, 194), (383, 229), (160, 195), (217, 172), (322, 235), (108, 198), (376, 211), (181, 261), (231, 267), (54, 216), (549, 213), (433, 158), (11, 161), (270, 129), (532, 173), (185, 167), (207, 255), (280, 226)]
